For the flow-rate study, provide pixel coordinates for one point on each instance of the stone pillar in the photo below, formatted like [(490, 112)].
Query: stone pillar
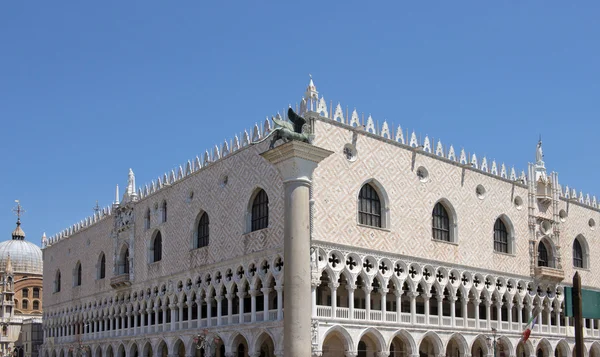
[(279, 290), (520, 314), (253, 294), (219, 299), (509, 306), (539, 326), (180, 317), (383, 293), (350, 289), (368, 290), (499, 315), (333, 287), (209, 300), (266, 307), (558, 311), (229, 297), (241, 295), (465, 310), (413, 306), (313, 293), (440, 301), (398, 294), (453, 311), (426, 304), (296, 162), (173, 316), (488, 315)]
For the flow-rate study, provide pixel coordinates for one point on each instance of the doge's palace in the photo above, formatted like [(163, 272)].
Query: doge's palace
[(362, 240)]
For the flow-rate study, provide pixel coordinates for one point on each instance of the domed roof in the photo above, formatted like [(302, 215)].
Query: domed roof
[(25, 256)]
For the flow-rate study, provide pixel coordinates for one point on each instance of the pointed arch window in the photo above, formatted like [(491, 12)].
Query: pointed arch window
[(260, 211), (542, 255), (164, 211), (203, 230), (577, 254), (440, 223), (77, 280), (156, 248), (57, 282), (102, 266), (126, 262), (369, 206), (500, 237)]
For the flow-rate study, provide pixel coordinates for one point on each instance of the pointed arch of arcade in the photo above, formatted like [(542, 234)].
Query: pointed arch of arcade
[(341, 333), (461, 343), (595, 349), (562, 349), (408, 341), (147, 350), (479, 343), (264, 337), (545, 347), (161, 349), (436, 341), (524, 349), (134, 350), (374, 335), (177, 348), (235, 342), (97, 351)]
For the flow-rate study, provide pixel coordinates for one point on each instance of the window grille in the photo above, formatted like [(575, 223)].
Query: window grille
[(260, 211), (369, 207), (542, 255), (577, 254), (440, 223), (500, 237), (202, 231)]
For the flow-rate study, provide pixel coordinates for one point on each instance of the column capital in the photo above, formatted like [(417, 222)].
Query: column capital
[(350, 287), (334, 285), (384, 291), (296, 160), (219, 298), (265, 290)]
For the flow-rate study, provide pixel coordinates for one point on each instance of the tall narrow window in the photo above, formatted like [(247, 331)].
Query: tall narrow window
[(126, 262), (202, 231), (577, 254), (542, 255), (440, 223), (147, 219), (57, 282), (25, 293), (369, 207), (78, 276), (102, 266), (164, 211), (36, 305), (500, 237), (157, 247), (36, 293), (24, 305), (260, 211)]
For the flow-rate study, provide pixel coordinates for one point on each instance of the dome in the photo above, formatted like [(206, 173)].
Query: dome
[(25, 256)]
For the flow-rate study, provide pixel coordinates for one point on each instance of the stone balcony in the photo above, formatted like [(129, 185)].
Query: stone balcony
[(549, 274), (120, 281)]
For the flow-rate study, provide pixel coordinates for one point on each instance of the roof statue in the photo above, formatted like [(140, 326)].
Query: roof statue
[(539, 155), (287, 131)]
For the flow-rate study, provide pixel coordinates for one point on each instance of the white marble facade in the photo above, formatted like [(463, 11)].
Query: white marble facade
[(390, 290)]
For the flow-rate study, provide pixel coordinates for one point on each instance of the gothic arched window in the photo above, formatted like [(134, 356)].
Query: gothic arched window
[(500, 237), (102, 267), (57, 282), (260, 211), (147, 219), (78, 275), (369, 206), (577, 254), (202, 240), (157, 247), (440, 223), (542, 255), (164, 211)]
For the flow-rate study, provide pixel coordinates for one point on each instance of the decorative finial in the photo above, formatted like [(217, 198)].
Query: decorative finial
[(117, 195), (96, 208), (18, 211)]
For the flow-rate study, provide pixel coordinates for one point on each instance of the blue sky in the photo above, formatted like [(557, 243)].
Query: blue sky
[(89, 90)]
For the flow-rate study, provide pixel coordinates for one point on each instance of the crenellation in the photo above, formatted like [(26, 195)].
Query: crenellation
[(338, 115), (427, 145), (484, 165), (354, 119), (322, 108), (474, 161), (385, 130), (413, 140), (216, 154), (400, 135), (188, 168), (256, 133), (370, 127)]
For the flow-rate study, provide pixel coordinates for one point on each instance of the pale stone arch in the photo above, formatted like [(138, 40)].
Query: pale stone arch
[(457, 341), (147, 350), (177, 348), (134, 350), (524, 349), (250, 202), (264, 343), (109, 351), (594, 349), (236, 341), (545, 347), (562, 349), (507, 345), (431, 343), (510, 230), (585, 250), (161, 349), (121, 350), (406, 338), (479, 347), (585, 351), (452, 217), (374, 335), (338, 337)]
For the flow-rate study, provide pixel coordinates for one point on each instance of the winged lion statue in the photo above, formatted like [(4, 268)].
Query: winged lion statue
[(286, 131)]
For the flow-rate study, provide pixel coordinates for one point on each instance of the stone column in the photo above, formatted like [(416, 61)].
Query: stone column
[(499, 315), (241, 295), (520, 314), (383, 293), (180, 315), (253, 294), (368, 290), (173, 316), (558, 311), (350, 289), (398, 294), (440, 302), (426, 304), (413, 306), (488, 313), (477, 302), (333, 287), (229, 297), (219, 299), (453, 311), (266, 307), (296, 162), (509, 306), (313, 293), (209, 300), (465, 310), (279, 290)]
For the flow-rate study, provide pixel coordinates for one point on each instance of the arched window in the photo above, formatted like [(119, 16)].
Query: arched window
[(126, 262), (24, 305), (147, 219), (36, 293), (577, 254), (102, 267), (369, 206), (77, 280), (156, 248), (36, 305), (542, 255), (164, 211), (202, 240), (260, 211), (57, 282), (440, 223), (25, 293), (500, 237)]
